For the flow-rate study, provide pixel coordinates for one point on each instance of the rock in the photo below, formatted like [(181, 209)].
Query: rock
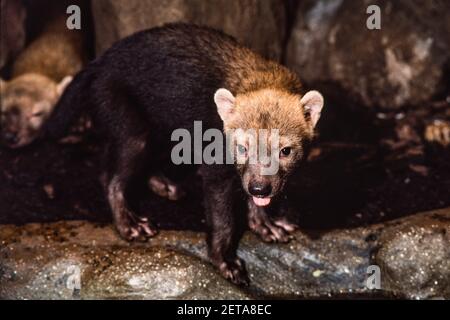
[(12, 26), (257, 23), (402, 64), (44, 261), (82, 260), (415, 257)]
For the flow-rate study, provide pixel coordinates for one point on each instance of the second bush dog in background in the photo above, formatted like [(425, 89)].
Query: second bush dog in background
[(39, 76)]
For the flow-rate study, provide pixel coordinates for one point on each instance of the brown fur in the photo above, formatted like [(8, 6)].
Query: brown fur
[(40, 74), (26, 102), (271, 108), (56, 53), (246, 71)]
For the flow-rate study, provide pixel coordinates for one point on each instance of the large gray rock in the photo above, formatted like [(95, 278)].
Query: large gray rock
[(40, 261), (258, 23), (416, 257), (402, 64)]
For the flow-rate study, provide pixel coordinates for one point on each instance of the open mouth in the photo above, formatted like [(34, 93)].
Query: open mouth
[(261, 202)]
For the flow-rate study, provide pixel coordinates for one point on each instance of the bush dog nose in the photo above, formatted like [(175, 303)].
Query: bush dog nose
[(259, 189)]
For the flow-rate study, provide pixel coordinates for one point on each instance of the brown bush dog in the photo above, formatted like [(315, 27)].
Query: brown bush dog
[(26, 102), (156, 81), (39, 75)]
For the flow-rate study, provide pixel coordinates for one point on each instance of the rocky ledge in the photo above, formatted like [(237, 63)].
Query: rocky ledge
[(83, 260)]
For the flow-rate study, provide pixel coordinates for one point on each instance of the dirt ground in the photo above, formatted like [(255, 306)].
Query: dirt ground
[(351, 179)]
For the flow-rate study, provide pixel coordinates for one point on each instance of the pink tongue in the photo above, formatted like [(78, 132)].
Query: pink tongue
[(261, 202)]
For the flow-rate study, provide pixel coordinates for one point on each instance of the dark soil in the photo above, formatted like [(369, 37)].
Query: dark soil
[(351, 179)]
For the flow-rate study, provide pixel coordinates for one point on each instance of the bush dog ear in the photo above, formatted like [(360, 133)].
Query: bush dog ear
[(312, 103), (224, 100), (63, 85)]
